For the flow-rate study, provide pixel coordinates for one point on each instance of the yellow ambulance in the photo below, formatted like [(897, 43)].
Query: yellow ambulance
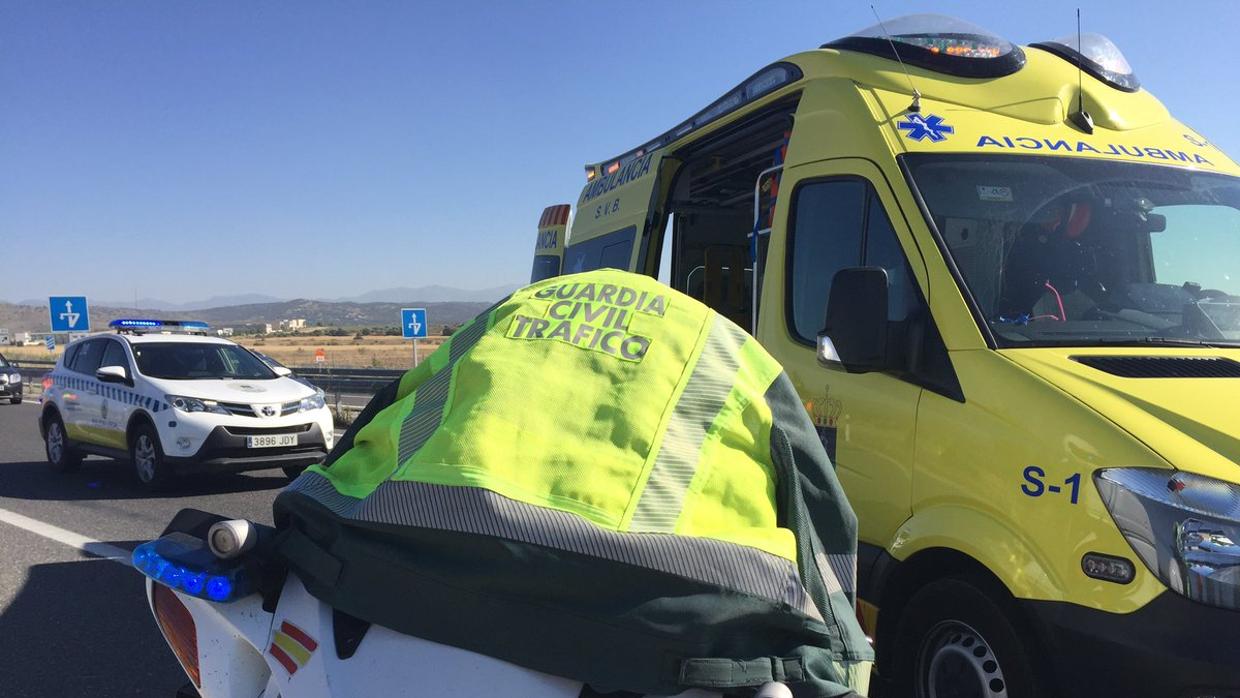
[(1006, 282)]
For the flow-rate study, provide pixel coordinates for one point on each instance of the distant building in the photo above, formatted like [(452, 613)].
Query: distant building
[(267, 328), (293, 324), (225, 332)]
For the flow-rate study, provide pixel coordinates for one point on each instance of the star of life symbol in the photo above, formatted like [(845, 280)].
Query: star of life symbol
[(919, 128)]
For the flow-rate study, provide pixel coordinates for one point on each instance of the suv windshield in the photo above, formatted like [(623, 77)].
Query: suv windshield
[(1064, 251), (186, 361), (3, 362)]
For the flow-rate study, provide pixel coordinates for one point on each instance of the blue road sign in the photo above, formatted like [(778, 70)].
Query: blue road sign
[(413, 323), (69, 313)]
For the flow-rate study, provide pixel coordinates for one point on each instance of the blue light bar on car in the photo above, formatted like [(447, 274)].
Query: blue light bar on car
[(184, 563), (143, 324)]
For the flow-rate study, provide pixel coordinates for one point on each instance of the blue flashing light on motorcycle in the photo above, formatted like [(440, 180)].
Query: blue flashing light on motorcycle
[(185, 564)]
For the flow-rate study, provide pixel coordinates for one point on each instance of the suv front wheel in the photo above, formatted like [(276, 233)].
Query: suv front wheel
[(147, 457)]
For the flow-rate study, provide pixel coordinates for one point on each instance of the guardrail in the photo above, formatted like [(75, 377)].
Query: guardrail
[(337, 382)]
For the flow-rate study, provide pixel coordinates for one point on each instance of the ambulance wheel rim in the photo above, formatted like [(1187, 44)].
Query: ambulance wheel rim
[(55, 442), (144, 457), (957, 662)]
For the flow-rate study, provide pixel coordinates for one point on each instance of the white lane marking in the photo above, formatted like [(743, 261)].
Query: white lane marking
[(90, 546)]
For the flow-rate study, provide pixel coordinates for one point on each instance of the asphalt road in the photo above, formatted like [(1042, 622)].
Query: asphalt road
[(72, 623)]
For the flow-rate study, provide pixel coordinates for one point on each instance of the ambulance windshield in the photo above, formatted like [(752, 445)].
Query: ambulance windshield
[(1085, 252)]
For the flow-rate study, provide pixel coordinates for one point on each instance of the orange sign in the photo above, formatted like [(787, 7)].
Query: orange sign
[(319, 355)]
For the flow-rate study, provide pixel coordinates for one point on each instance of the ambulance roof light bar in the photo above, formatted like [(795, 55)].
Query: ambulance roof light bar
[(938, 43), (758, 85), (1098, 56), (143, 326)]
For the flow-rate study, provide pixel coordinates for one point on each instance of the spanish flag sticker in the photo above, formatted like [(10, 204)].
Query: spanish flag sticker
[(292, 647)]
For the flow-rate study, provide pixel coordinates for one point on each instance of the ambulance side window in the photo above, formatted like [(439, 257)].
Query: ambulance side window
[(837, 224), (882, 249), (828, 223)]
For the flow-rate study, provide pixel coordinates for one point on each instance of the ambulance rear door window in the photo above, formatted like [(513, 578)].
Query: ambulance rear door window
[(611, 251)]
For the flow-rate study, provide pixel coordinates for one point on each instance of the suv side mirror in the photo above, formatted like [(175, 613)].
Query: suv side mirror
[(112, 374), (282, 371), (854, 334)]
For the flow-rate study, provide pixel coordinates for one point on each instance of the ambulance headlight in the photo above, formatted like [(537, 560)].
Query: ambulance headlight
[(1184, 527), (1098, 56), (193, 404)]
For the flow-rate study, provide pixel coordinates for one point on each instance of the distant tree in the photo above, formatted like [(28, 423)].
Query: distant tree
[(337, 332), (448, 330)]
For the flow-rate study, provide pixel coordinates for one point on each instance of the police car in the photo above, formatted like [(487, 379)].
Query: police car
[(171, 400)]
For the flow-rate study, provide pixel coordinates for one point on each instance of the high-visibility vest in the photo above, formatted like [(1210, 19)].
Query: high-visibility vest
[(599, 478)]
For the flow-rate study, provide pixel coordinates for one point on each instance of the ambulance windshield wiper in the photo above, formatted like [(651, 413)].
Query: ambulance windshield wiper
[(1165, 341)]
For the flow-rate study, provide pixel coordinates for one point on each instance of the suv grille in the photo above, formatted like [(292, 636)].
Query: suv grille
[(1163, 366), (263, 431), (241, 409)]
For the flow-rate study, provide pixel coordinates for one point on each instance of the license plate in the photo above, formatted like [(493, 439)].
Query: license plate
[(272, 440)]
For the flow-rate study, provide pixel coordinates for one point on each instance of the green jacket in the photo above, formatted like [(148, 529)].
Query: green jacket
[(598, 478)]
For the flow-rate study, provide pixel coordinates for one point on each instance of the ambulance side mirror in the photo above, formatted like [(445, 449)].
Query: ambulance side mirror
[(854, 334)]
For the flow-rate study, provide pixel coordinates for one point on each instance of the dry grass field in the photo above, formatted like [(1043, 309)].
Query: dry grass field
[(368, 352), (342, 352)]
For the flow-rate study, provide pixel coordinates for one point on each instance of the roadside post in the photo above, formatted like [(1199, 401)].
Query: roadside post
[(413, 326), (50, 341), (320, 356)]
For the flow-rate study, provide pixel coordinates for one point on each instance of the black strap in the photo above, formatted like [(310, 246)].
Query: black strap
[(738, 673), (588, 692)]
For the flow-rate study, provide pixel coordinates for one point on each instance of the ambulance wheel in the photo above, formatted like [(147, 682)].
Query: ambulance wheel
[(147, 457), (60, 454), (955, 640)]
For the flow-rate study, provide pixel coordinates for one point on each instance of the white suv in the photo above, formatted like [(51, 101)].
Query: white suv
[(171, 400)]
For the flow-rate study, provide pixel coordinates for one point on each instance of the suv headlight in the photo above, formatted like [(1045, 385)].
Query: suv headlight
[(193, 404), (1184, 527), (313, 402), (15, 378)]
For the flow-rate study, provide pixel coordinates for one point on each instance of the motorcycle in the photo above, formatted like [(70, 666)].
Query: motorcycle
[(241, 626)]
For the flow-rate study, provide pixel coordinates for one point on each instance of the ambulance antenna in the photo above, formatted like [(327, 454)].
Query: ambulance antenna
[(1080, 117), (916, 105)]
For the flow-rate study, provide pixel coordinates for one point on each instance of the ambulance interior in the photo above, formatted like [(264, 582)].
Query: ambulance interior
[(710, 207)]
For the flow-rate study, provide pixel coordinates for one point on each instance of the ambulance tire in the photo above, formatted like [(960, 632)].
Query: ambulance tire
[(62, 456), (146, 455), (963, 638)]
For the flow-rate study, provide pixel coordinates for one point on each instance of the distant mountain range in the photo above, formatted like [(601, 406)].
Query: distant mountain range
[(34, 317), (404, 294)]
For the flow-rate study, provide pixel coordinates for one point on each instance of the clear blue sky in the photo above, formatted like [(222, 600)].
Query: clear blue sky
[(178, 150)]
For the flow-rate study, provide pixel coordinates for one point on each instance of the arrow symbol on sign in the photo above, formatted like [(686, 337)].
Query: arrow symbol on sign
[(69, 315), (416, 326)]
